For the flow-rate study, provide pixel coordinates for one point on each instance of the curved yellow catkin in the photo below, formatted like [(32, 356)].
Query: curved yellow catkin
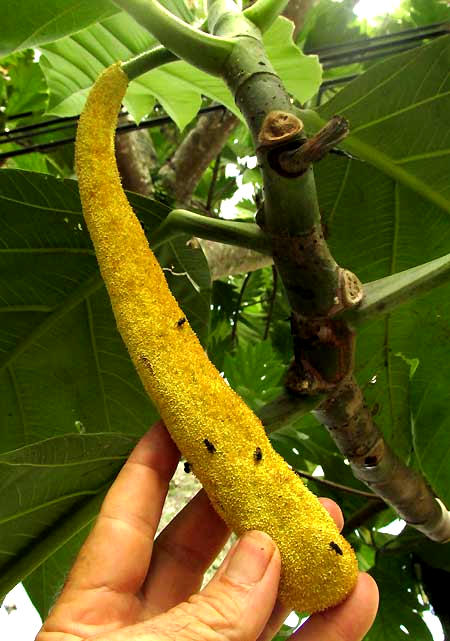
[(249, 484)]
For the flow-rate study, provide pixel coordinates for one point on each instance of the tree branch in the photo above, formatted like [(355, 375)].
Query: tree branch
[(360, 517), (351, 425), (383, 296), (181, 174), (238, 307), (297, 11), (220, 230), (135, 157), (263, 12), (341, 488), (201, 49), (318, 289)]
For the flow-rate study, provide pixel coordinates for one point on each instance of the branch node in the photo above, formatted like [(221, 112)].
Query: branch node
[(279, 127), (295, 162)]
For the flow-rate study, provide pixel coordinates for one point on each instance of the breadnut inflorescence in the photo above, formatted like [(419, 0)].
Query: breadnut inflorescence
[(248, 483)]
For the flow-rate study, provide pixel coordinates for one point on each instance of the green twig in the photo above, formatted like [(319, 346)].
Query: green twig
[(286, 409), (361, 516), (238, 308), (147, 61), (356, 147), (203, 50), (271, 302), (384, 295), (222, 231), (264, 12), (212, 184), (340, 487)]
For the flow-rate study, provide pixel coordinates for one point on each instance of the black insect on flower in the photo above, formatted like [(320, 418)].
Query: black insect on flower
[(209, 446), (181, 322), (334, 546), (257, 455), (187, 467)]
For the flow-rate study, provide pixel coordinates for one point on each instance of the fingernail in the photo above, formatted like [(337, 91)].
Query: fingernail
[(250, 558)]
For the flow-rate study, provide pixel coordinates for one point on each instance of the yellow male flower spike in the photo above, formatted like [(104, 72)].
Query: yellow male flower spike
[(249, 484)]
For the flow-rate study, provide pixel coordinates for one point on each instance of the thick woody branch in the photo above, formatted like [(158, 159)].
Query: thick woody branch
[(296, 11), (351, 425), (135, 156), (318, 289), (181, 174)]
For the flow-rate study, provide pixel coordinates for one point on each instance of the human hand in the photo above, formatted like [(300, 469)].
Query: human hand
[(123, 586)]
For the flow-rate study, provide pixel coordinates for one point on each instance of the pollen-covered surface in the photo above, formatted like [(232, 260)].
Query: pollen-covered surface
[(249, 484)]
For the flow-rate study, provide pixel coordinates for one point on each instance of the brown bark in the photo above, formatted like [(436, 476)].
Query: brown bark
[(227, 260), (351, 425), (297, 11), (135, 156), (181, 174)]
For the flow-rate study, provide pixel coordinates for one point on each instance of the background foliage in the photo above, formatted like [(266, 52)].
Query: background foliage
[(71, 405)]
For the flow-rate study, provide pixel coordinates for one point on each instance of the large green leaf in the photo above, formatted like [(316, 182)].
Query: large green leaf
[(50, 492), (45, 583), (27, 89), (376, 228), (254, 372), (399, 114), (72, 64), (63, 365), (27, 24), (398, 615), (379, 224)]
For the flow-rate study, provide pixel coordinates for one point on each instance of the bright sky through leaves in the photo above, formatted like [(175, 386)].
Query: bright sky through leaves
[(370, 10)]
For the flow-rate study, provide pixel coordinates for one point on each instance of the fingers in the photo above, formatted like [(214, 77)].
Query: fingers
[(118, 550), (279, 615), (236, 604), (238, 601), (335, 511), (348, 621), (280, 612), (182, 553)]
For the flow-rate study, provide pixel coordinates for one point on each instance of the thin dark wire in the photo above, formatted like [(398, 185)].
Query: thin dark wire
[(338, 486), (7, 137), (271, 302), (358, 53), (238, 307), (428, 31), (38, 125), (212, 184), (146, 124), (364, 57), (423, 32), (44, 124)]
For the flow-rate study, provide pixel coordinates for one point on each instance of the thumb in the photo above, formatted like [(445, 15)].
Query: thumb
[(238, 601)]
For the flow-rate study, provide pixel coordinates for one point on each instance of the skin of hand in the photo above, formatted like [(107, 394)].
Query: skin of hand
[(125, 585)]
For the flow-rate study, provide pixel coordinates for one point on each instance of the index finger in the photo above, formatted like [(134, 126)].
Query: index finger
[(117, 552)]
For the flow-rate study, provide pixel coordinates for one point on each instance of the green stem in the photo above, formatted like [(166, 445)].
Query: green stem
[(264, 12), (286, 409), (339, 486), (313, 122), (226, 17), (203, 50), (384, 295), (147, 61), (222, 231)]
